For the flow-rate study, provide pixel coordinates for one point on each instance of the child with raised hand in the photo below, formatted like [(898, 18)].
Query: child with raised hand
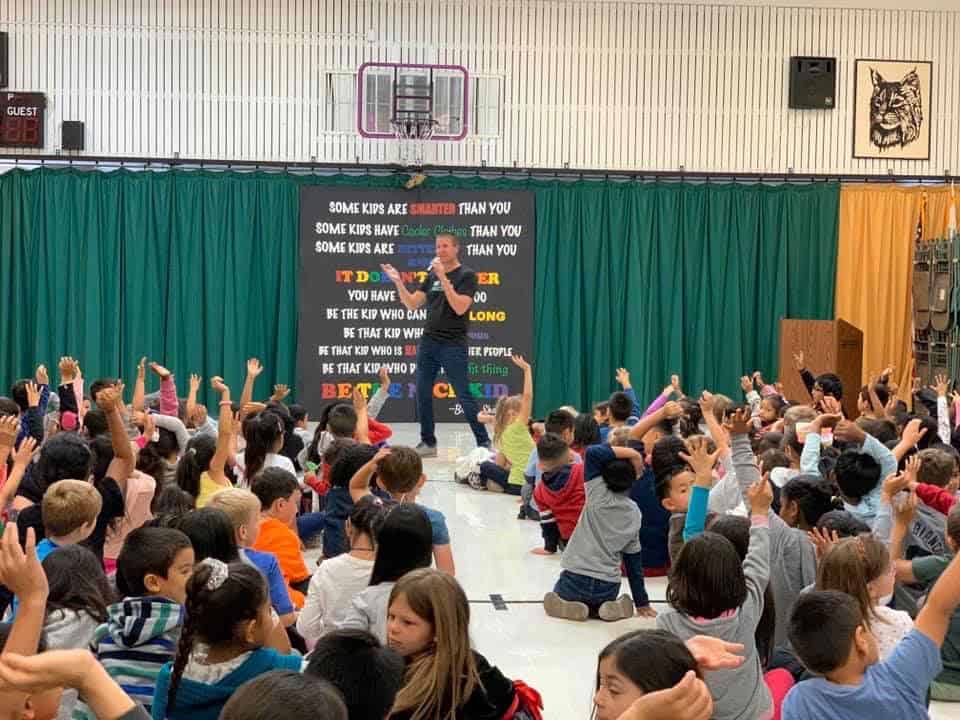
[(511, 438), (141, 632), (404, 544), (828, 631), (243, 509), (399, 471), (223, 643), (712, 593), (366, 673), (428, 625), (606, 536), (643, 663), (338, 580), (339, 503)]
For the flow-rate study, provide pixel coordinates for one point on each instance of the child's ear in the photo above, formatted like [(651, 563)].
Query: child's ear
[(151, 582), (381, 485), (250, 632), (669, 504), (420, 482)]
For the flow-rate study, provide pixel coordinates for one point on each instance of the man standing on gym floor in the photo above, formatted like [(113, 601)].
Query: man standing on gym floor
[(448, 292)]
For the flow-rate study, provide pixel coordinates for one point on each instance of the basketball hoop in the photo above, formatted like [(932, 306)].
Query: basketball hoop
[(413, 129)]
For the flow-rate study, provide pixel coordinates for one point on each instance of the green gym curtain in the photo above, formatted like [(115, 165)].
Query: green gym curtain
[(199, 271)]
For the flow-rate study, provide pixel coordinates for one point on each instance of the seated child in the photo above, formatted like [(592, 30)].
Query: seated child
[(338, 580), (302, 698), (243, 509), (511, 438), (404, 545), (559, 495), (621, 407), (143, 627), (862, 568), (339, 504), (367, 674), (606, 535), (70, 509), (711, 592), (428, 624), (828, 632), (559, 422), (640, 662), (228, 624), (399, 472), (279, 495)]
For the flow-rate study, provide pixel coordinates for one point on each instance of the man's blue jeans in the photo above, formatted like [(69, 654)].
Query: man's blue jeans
[(431, 356)]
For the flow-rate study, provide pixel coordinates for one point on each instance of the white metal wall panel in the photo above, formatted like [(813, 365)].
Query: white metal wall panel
[(602, 84)]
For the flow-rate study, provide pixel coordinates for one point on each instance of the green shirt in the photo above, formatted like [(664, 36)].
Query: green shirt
[(516, 445), (927, 570)]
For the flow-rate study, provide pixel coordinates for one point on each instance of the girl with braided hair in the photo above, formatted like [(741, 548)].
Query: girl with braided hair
[(228, 638)]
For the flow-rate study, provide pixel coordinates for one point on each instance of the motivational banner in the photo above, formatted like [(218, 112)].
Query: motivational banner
[(352, 322)]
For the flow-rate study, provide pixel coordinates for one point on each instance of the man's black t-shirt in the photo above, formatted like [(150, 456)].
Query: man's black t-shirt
[(443, 323)]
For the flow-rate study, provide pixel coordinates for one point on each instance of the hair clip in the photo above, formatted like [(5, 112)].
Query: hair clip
[(219, 572)]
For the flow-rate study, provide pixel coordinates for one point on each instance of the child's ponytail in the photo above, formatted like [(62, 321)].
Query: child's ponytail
[(219, 598), (850, 566), (195, 462)]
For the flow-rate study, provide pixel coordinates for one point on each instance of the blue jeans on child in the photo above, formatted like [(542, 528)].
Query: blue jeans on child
[(309, 525), (431, 356), (593, 593), (499, 475)]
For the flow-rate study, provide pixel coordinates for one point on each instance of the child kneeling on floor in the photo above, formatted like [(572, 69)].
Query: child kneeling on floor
[(606, 535)]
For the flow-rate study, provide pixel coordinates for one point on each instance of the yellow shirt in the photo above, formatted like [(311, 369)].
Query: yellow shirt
[(207, 488), (516, 445)]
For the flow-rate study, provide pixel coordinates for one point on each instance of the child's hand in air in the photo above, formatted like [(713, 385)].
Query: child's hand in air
[(254, 368), (760, 497), (689, 699), (520, 362)]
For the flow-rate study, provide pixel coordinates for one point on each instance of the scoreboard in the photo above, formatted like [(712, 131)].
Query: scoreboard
[(21, 119)]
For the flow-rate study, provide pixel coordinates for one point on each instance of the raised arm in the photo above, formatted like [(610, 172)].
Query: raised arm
[(140, 386), (526, 399), (623, 377), (191, 407), (669, 411), (20, 462), (912, 434), (943, 409), (169, 405), (410, 300), (22, 574), (702, 464), (254, 368), (360, 482), (904, 512), (121, 467), (224, 433), (363, 419)]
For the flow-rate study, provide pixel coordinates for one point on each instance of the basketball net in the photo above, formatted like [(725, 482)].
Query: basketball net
[(413, 131)]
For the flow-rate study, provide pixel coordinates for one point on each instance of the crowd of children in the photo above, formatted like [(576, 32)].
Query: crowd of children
[(152, 560)]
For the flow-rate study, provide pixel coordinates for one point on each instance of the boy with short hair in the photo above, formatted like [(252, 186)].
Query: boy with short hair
[(143, 628), (366, 673), (606, 536), (559, 494), (243, 509), (69, 510), (558, 422), (279, 495), (832, 639), (301, 419), (399, 471)]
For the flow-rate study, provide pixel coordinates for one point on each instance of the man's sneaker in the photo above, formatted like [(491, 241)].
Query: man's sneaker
[(619, 609), (556, 606), (426, 451)]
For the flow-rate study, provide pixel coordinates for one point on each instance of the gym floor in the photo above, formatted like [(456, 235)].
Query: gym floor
[(505, 584)]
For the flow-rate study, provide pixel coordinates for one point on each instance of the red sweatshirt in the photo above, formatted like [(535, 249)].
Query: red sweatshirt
[(378, 431), (561, 492), (935, 497)]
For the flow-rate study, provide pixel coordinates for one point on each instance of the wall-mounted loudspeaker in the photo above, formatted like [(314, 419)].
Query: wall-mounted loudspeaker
[(72, 135), (4, 59), (813, 83)]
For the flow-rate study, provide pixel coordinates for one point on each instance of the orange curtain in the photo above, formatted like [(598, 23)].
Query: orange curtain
[(878, 225), (874, 265)]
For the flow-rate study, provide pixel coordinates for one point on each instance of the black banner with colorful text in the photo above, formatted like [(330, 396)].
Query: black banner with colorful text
[(351, 320)]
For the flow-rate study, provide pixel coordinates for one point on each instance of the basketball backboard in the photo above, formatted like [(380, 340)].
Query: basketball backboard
[(395, 99)]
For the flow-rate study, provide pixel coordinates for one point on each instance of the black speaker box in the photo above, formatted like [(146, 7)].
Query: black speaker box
[(813, 83), (4, 59), (72, 135)]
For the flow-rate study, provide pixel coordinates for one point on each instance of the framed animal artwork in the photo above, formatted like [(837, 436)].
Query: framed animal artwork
[(892, 109)]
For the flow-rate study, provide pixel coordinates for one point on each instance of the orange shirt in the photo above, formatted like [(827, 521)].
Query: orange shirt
[(279, 539)]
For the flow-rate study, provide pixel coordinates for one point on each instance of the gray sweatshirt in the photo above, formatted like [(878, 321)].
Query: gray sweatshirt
[(793, 559), (68, 630), (738, 694), (368, 611)]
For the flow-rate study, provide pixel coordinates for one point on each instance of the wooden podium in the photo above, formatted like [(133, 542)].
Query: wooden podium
[(827, 346)]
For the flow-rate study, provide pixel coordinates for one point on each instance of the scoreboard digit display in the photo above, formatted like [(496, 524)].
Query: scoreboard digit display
[(21, 119)]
